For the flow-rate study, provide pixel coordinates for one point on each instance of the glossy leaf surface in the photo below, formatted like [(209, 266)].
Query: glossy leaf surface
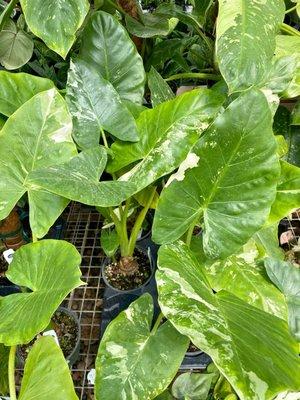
[(232, 187), (107, 47), (242, 340), (39, 133), (46, 374), (288, 192), (160, 90), (286, 277), (55, 22), (78, 180), (246, 40), (96, 106), (129, 350), (50, 269), (167, 133), (17, 88)]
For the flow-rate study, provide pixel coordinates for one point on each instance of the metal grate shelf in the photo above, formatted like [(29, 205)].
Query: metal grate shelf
[(83, 227)]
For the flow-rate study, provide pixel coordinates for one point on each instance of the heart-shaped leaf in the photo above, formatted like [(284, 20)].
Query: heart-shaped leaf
[(246, 33), (107, 47), (39, 133), (234, 184), (167, 133), (95, 106), (242, 340), (56, 23), (78, 180), (50, 269), (286, 277), (46, 373), (16, 46), (17, 88), (129, 350)]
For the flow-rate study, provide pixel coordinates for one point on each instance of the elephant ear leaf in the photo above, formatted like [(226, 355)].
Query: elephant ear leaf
[(50, 269), (78, 180), (167, 134), (246, 33), (107, 47), (39, 132), (232, 187), (95, 106), (242, 340), (46, 363), (130, 349), (17, 88), (55, 22), (286, 277)]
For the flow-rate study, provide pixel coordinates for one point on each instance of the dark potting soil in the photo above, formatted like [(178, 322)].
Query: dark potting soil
[(119, 280), (3, 265), (192, 348), (67, 332)]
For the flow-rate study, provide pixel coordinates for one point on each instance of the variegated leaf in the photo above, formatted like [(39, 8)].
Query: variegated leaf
[(135, 362), (246, 40), (253, 349)]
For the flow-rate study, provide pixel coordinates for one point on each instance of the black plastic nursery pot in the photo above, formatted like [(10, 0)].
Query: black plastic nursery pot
[(115, 300), (74, 355), (197, 360), (7, 288)]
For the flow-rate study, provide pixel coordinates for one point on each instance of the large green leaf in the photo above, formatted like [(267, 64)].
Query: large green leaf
[(95, 105), (36, 136), (167, 133), (241, 276), (253, 349), (17, 88), (288, 192), (234, 184), (78, 180), (287, 46), (267, 242), (134, 362), (50, 269), (108, 48), (286, 277), (46, 374), (4, 354), (160, 90), (16, 46), (246, 40), (55, 22)]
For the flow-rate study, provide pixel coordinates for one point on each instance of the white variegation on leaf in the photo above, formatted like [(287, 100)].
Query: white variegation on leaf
[(167, 133), (50, 269), (36, 136), (232, 187), (55, 22), (242, 340), (288, 193), (135, 362), (96, 106), (247, 280), (78, 180), (286, 277), (246, 40)]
